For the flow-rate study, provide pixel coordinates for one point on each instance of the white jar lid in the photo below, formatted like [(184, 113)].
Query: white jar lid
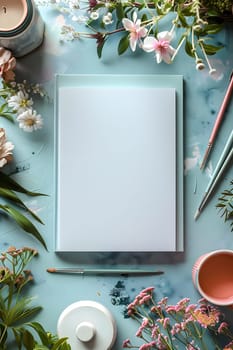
[(88, 325)]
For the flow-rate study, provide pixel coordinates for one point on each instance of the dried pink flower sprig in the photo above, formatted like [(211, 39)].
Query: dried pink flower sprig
[(174, 327), (12, 267)]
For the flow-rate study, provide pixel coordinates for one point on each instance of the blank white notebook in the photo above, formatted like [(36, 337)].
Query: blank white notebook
[(116, 166)]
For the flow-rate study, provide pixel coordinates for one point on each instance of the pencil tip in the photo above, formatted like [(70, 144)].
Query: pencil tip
[(197, 214), (206, 155), (51, 269)]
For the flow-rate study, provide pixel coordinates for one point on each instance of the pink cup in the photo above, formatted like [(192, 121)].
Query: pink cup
[(212, 276)]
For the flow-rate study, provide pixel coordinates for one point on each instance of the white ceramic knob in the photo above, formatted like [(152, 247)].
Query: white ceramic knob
[(85, 331), (87, 325)]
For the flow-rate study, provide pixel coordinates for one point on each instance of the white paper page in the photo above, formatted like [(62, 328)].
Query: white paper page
[(116, 169)]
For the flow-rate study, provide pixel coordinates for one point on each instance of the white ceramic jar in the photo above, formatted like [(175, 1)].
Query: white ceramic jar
[(88, 325)]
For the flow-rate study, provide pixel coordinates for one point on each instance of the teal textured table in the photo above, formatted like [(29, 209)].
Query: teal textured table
[(34, 156)]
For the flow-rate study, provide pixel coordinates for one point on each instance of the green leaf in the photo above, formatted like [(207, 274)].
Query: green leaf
[(182, 19), (10, 195), (18, 337), (38, 328), (144, 17), (28, 340), (123, 44), (61, 344), (4, 337), (225, 205), (7, 182), (19, 312), (211, 49), (189, 48), (48, 339), (6, 112), (120, 11), (100, 48), (7, 116), (24, 223), (213, 28)]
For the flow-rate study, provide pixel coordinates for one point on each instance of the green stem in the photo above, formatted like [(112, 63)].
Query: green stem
[(205, 55), (178, 48), (3, 335), (193, 46)]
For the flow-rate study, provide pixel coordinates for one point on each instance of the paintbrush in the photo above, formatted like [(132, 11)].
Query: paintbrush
[(103, 271)]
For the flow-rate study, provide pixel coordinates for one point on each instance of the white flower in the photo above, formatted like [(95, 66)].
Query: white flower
[(107, 19), (38, 90), (136, 31), (68, 33), (20, 102), (6, 148), (29, 120), (94, 15), (82, 19), (74, 4), (163, 50)]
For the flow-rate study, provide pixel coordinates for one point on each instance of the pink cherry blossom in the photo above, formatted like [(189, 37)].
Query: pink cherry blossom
[(136, 30), (163, 50)]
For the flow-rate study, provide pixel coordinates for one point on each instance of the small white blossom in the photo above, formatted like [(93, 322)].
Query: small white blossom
[(38, 90), (20, 102), (74, 18), (82, 19), (74, 4), (30, 120), (107, 19), (68, 33), (94, 15)]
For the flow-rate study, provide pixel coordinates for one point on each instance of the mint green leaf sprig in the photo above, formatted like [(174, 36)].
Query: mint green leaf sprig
[(8, 189), (225, 204)]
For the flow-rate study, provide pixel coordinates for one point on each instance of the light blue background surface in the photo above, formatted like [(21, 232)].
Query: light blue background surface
[(34, 154)]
